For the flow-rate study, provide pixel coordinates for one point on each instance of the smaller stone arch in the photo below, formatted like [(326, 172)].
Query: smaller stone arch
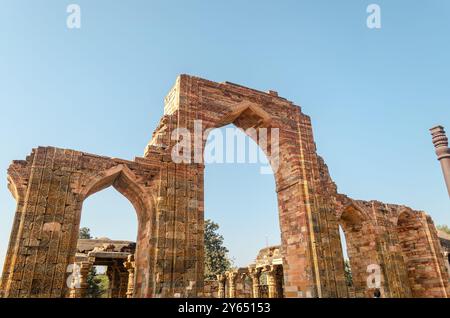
[(125, 182), (421, 253), (122, 178), (360, 233)]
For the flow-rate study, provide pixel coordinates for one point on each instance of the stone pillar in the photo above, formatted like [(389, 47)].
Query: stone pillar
[(246, 291), (232, 276), (79, 283), (130, 266), (279, 281), (270, 270), (123, 288), (114, 281), (255, 274), (447, 262), (440, 142), (221, 281)]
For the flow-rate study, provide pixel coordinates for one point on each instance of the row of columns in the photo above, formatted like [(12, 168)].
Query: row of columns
[(274, 281), (121, 279)]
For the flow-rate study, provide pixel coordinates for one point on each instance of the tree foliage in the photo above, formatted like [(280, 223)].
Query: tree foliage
[(216, 254), (85, 233), (95, 287)]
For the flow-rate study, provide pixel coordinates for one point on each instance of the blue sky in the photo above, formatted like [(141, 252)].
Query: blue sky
[(372, 94)]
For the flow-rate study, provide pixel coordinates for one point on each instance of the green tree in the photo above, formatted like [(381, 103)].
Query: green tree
[(85, 233), (104, 284), (95, 287), (444, 228), (216, 254), (348, 273)]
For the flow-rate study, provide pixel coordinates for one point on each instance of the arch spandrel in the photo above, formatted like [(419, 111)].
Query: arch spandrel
[(124, 181)]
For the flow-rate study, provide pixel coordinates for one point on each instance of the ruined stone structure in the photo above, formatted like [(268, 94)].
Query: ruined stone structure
[(262, 279), (116, 256), (235, 283), (51, 184), (269, 262)]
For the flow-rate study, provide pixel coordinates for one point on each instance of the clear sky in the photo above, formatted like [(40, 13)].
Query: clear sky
[(372, 94)]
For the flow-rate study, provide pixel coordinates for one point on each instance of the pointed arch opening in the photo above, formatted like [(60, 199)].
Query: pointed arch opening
[(249, 219), (108, 235), (359, 250), (119, 246)]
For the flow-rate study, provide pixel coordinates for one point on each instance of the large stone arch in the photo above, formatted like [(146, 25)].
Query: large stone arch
[(309, 233)]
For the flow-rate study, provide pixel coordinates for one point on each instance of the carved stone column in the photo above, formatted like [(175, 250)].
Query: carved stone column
[(130, 266), (221, 280), (271, 273), (440, 142), (447, 261), (232, 276), (123, 288), (80, 285), (255, 274), (245, 292), (114, 281), (280, 281)]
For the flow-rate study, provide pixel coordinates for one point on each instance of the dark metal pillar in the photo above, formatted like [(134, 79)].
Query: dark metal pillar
[(440, 142)]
